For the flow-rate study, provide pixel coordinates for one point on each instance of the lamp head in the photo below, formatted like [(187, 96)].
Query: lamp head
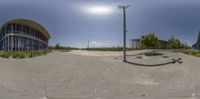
[(123, 6)]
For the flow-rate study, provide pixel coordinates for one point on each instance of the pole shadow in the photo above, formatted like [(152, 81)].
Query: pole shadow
[(161, 64)]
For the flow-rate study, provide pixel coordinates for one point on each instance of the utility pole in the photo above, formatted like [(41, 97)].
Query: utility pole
[(124, 7)]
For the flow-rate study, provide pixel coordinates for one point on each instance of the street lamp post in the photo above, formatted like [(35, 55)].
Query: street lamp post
[(124, 7)]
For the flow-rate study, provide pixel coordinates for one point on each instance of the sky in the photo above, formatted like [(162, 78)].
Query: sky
[(72, 23)]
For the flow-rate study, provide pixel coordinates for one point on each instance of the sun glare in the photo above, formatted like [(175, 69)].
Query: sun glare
[(99, 10)]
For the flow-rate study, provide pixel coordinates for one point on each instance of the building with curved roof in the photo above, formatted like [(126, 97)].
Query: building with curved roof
[(197, 44), (23, 35)]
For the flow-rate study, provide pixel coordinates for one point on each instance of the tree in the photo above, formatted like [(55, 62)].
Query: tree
[(175, 43), (57, 46), (50, 47), (186, 46), (172, 42), (149, 41), (178, 43)]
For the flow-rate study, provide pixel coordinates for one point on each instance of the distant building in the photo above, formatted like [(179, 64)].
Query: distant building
[(197, 44), (23, 35), (163, 44), (135, 43)]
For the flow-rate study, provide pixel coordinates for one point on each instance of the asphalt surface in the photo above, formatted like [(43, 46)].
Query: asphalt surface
[(63, 75)]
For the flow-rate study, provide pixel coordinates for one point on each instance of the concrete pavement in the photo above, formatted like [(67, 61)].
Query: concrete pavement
[(63, 75)]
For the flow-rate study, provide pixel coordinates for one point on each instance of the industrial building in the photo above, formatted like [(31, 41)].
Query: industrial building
[(23, 35), (136, 44)]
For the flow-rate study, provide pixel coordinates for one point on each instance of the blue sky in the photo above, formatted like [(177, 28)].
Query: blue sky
[(71, 25)]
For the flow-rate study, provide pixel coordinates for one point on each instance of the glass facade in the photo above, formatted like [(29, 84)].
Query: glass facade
[(22, 37), (197, 44)]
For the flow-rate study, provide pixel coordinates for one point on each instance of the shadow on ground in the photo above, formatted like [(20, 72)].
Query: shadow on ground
[(149, 53), (161, 64), (153, 54)]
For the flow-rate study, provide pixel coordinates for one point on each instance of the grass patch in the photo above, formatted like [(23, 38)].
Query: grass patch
[(191, 52)]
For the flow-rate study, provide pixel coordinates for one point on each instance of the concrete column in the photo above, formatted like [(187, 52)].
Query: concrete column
[(11, 43), (13, 30), (5, 38), (8, 43)]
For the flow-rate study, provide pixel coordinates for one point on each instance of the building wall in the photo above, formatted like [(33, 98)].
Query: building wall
[(197, 44), (163, 44), (22, 37), (135, 43)]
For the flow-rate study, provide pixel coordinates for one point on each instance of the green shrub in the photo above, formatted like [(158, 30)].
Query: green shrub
[(24, 54), (198, 51), (197, 54), (186, 52), (15, 55), (6, 54), (38, 53), (193, 53), (19, 54), (31, 55)]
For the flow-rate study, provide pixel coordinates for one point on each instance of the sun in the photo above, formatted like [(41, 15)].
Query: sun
[(99, 10)]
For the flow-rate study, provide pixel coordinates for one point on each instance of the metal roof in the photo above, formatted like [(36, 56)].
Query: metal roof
[(29, 23)]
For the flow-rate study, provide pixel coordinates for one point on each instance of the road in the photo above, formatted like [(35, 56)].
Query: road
[(64, 75)]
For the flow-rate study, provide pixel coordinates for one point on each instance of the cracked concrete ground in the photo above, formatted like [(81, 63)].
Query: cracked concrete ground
[(64, 75)]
